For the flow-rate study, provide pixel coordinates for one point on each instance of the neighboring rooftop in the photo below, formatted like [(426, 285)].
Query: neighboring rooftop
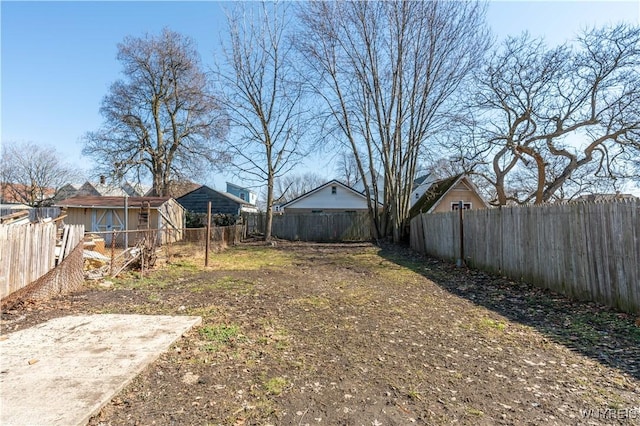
[(433, 194), (96, 201), (593, 198)]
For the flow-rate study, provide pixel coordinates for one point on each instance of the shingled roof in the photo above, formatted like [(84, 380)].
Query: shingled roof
[(112, 202), (432, 195)]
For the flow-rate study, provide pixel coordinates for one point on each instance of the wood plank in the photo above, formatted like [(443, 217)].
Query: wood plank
[(583, 250)]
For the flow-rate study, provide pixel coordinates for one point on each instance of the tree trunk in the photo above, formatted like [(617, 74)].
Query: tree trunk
[(269, 221)]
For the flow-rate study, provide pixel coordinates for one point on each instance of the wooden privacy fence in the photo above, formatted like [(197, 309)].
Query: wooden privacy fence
[(589, 251), (35, 213), (29, 251), (320, 227), (225, 235)]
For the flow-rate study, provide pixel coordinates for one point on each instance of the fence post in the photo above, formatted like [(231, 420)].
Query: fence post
[(126, 221), (113, 251), (142, 253), (168, 247), (208, 242), (460, 262)]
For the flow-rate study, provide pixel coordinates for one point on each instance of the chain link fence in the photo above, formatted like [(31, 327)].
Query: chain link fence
[(67, 277)]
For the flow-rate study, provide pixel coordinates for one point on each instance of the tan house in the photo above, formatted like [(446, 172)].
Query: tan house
[(446, 194), (104, 215)]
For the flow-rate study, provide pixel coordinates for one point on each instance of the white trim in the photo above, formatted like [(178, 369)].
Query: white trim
[(97, 226), (455, 204), (320, 188), (468, 183)]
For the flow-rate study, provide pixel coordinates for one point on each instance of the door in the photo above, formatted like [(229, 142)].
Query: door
[(106, 221)]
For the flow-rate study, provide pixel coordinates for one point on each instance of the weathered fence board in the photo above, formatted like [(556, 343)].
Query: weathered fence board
[(28, 251), (588, 251), (227, 235), (35, 213), (320, 227)]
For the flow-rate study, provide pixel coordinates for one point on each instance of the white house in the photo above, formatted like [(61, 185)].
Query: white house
[(331, 197), (420, 186)]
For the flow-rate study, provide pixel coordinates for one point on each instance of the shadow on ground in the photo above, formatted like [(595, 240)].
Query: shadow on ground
[(610, 337)]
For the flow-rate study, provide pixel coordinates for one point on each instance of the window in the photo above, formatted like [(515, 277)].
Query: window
[(334, 189), (417, 195), (465, 206), (242, 195), (316, 211)]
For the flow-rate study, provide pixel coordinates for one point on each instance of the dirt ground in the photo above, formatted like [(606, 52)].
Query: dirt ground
[(355, 334)]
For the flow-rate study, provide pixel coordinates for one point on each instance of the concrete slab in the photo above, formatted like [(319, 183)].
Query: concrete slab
[(65, 370)]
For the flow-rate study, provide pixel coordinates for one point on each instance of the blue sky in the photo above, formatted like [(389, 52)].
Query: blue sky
[(58, 59)]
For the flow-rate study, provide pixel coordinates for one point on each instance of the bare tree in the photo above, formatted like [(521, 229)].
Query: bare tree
[(386, 71), (559, 120), (33, 174), (263, 97), (347, 168), (294, 185), (162, 120)]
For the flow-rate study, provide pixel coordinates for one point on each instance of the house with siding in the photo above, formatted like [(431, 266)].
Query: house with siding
[(446, 194), (197, 201), (331, 197), (104, 215), (243, 193), (420, 186)]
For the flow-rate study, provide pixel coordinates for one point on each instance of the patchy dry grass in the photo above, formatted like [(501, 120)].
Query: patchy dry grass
[(250, 258), (355, 334)]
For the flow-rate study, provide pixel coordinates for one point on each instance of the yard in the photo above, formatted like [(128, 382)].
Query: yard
[(301, 333)]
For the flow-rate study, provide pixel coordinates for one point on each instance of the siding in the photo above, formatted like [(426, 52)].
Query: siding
[(324, 200), (196, 201), (171, 211), (460, 192)]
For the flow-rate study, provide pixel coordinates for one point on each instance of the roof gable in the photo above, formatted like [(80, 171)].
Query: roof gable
[(206, 189), (317, 190), (438, 189), (421, 179), (221, 202), (112, 202), (432, 195)]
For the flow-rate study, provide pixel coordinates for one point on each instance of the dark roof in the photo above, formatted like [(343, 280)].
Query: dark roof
[(93, 201), (221, 193), (432, 195), (418, 181), (221, 202)]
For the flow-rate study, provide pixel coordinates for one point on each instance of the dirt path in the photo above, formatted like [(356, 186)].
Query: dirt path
[(355, 335)]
